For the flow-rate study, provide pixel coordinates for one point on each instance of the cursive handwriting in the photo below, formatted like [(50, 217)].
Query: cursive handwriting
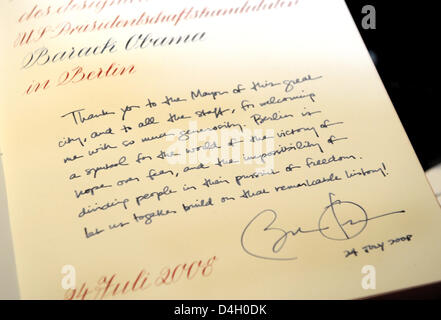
[(330, 225)]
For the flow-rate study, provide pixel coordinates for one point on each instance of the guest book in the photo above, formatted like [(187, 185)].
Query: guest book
[(206, 150)]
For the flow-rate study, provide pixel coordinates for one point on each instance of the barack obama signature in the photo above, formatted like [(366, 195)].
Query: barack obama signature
[(332, 225)]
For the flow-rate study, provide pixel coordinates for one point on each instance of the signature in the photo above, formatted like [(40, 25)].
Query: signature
[(340, 221)]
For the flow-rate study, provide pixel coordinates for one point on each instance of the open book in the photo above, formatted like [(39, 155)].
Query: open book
[(206, 150)]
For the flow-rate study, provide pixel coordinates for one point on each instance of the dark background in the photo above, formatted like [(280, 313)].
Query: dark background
[(404, 43)]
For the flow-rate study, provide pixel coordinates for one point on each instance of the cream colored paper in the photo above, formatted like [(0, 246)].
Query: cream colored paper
[(8, 275), (434, 177), (315, 228)]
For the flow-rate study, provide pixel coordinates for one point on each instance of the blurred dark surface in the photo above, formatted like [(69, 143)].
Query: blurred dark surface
[(404, 43), (429, 292)]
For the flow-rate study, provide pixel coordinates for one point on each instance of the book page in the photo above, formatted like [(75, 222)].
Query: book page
[(8, 274), (434, 177), (206, 150)]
